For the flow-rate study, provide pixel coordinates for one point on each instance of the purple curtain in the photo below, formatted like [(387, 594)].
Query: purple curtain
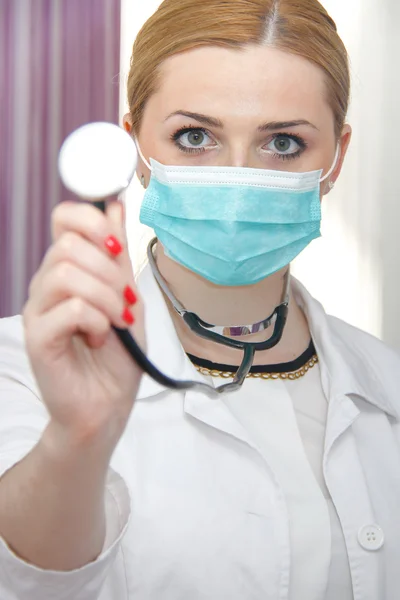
[(59, 69)]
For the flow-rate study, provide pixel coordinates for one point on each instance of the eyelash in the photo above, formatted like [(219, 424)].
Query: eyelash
[(175, 138), (299, 140)]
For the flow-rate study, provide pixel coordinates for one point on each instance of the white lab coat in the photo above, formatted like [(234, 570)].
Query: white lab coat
[(194, 512)]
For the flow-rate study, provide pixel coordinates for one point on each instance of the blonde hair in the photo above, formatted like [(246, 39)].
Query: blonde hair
[(301, 27)]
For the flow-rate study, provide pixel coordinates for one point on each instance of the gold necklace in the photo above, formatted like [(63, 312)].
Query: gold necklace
[(290, 375)]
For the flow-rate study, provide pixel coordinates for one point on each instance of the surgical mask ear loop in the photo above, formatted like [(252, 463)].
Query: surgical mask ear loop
[(141, 155), (333, 167)]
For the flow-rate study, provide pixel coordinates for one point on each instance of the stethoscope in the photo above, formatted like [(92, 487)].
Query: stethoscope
[(99, 160)]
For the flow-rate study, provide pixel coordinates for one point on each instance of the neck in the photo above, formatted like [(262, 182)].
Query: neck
[(233, 306)]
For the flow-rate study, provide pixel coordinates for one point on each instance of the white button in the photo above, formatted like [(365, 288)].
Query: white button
[(370, 537)]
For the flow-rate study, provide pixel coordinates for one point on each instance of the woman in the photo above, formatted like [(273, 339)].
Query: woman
[(286, 488)]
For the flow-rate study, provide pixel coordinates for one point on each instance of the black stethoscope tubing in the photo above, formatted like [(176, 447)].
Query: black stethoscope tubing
[(194, 323)]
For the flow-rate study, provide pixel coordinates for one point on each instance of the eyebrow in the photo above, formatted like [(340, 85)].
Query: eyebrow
[(274, 125), (213, 122), (206, 120)]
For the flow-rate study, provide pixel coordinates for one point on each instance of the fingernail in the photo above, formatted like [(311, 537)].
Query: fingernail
[(128, 316), (130, 295), (113, 245)]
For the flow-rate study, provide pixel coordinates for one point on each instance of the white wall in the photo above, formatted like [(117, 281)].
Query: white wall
[(353, 269)]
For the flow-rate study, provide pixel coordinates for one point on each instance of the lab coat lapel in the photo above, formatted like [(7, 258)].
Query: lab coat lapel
[(354, 389), (213, 412), (342, 413)]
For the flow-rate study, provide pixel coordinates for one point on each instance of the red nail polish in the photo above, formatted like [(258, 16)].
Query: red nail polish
[(113, 245), (128, 316), (130, 295)]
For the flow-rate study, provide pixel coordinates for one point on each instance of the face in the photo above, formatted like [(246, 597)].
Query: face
[(258, 107)]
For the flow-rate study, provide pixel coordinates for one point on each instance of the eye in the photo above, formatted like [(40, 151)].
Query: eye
[(193, 139), (286, 146)]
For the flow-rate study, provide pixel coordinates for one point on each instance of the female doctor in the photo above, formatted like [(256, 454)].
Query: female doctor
[(115, 487)]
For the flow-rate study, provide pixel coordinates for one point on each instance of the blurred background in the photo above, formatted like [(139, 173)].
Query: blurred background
[(65, 62), (59, 69)]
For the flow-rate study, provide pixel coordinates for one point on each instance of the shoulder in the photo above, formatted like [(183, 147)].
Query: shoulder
[(369, 368), (23, 416), (11, 338), (11, 330), (362, 342), (355, 361), (336, 334), (374, 367), (14, 361)]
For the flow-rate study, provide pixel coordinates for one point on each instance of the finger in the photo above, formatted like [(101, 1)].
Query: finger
[(73, 248), (52, 332), (87, 221), (96, 341), (116, 216), (68, 281)]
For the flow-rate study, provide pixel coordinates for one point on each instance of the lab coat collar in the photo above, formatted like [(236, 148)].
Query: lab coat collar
[(352, 362), (346, 366)]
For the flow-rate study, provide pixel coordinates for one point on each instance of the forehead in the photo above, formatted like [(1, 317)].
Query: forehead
[(255, 81)]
